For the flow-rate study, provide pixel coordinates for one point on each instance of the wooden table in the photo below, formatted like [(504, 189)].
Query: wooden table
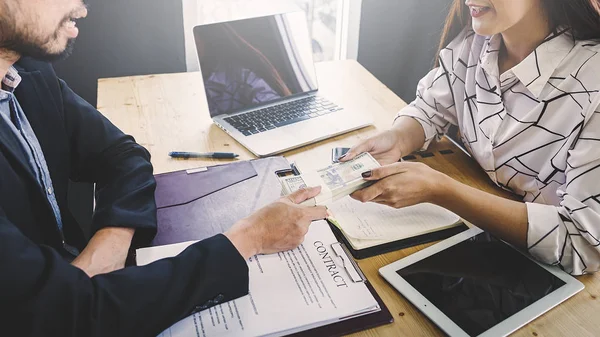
[(168, 112)]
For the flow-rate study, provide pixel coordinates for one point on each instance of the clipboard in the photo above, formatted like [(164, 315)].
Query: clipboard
[(199, 203), (359, 323)]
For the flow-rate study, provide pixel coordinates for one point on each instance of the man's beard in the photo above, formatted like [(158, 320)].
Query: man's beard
[(28, 49), (24, 42)]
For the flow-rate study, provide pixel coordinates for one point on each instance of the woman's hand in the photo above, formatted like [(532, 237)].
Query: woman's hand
[(408, 183), (388, 147), (403, 184), (385, 148)]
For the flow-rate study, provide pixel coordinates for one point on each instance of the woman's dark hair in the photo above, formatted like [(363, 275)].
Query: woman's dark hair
[(581, 16)]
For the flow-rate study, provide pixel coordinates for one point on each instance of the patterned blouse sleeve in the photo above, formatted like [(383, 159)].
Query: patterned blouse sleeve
[(568, 235), (434, 107)]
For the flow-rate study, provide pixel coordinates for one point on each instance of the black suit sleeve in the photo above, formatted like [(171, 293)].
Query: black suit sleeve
[(121, 169), (42, 295)]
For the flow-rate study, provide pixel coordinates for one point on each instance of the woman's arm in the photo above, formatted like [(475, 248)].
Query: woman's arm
[(502, 217), (410, 183), (567, 235), (411, 135), (426, 118)]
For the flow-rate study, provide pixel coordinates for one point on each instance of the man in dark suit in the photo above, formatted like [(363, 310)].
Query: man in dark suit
[(53, 282)]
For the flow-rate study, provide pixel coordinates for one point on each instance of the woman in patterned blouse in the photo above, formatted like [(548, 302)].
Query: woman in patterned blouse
[(521, 80)]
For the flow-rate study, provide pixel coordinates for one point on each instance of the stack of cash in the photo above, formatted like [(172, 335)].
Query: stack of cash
[(336, 181)]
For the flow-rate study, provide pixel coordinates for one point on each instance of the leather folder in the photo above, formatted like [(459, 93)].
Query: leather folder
[(199, 203)]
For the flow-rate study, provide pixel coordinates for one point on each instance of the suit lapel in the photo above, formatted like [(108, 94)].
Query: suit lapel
[(10, 146), (12, 149), (44, 116), (29, 100), (40, 110)]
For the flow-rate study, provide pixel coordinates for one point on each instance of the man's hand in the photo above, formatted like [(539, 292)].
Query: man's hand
[(277, 227), (106, 251)]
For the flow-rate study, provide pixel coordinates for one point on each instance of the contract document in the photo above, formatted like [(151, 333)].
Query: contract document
[(313, 285)]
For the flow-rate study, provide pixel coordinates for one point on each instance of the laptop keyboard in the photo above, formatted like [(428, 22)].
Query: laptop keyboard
[(281, 115)]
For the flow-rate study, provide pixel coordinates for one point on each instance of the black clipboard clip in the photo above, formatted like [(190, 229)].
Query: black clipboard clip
[(292, 171)]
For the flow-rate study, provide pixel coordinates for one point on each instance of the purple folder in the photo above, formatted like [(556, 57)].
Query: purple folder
[(198, 204)]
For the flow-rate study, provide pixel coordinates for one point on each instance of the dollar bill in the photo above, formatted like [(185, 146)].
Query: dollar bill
[(290, 185), (295, 183), (341, 174), (336, 181)]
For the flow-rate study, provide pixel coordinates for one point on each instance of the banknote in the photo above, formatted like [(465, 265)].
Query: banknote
[(295, 183), (341, 174), (336, 181)]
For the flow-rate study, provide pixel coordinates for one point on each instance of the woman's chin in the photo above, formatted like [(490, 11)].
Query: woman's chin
[(484, 29)]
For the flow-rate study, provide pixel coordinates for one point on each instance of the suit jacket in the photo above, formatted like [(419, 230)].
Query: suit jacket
[(41, 294)]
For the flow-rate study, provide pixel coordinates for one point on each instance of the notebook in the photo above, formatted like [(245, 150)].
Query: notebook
[(370, 229)]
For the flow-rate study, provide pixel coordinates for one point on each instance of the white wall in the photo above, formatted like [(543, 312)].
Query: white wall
[(350, 29), (197, 12)]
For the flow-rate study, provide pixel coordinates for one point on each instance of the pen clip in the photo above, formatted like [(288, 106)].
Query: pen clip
[(348, 263)]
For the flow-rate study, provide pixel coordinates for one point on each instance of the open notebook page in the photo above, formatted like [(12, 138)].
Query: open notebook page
[(369, 224)]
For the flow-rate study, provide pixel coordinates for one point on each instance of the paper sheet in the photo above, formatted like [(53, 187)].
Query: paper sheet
[(289, 291)]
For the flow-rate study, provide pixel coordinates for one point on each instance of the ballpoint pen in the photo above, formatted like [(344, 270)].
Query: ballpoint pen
[(218, 155)]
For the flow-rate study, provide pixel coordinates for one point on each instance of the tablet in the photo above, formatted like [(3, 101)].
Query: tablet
[(473, 284)]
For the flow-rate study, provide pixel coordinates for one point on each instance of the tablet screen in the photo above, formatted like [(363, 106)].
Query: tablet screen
[(480, 282)]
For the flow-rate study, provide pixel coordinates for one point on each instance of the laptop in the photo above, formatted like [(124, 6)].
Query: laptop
[(261, 86)]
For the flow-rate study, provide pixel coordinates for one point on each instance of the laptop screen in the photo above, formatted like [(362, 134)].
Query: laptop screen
[(252, 62)]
